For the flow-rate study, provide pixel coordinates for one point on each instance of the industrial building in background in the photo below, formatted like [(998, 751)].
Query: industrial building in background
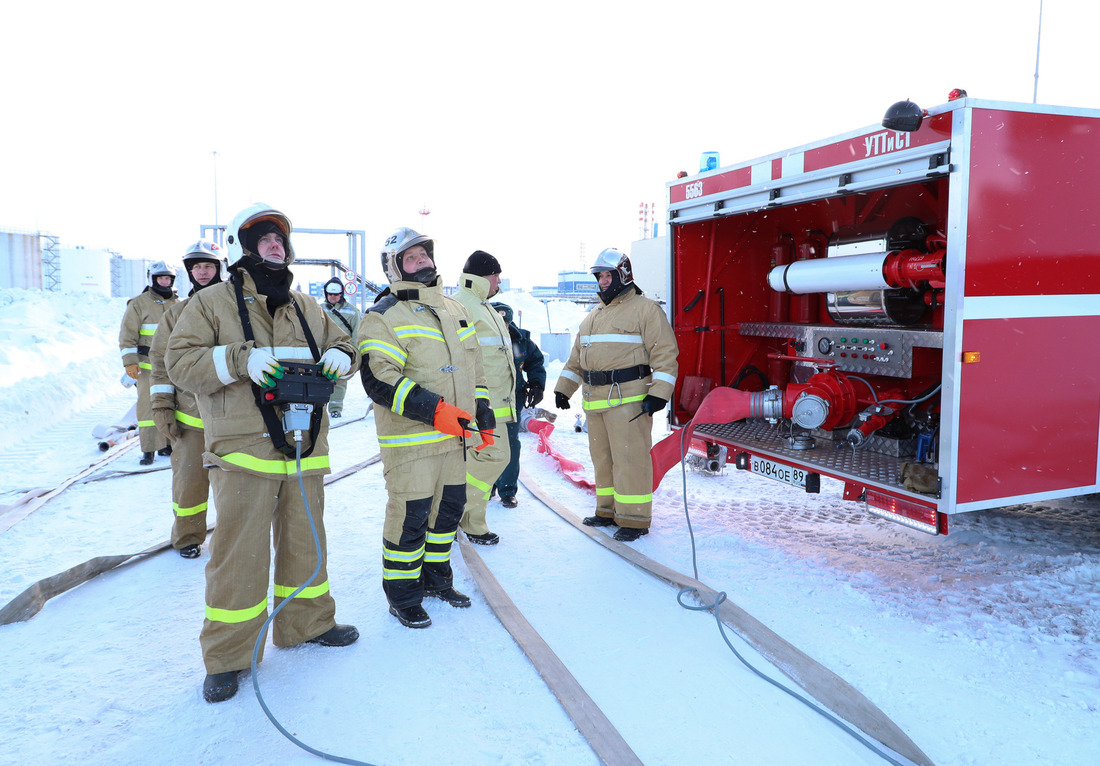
[(35, 260)]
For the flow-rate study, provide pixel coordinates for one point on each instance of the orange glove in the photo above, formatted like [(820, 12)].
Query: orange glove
[(447, 417), (487, 440), (133, 371)]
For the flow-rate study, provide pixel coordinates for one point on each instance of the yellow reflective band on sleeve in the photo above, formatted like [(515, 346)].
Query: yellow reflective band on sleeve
[(284, 591), (412, 440), (188, 511), (418, 331), (278, 468), (400, 394), (481, 393), (189, 420), (468, 332), (236, 615), (502, 411), (605, 491), (634, 499), (382, 347), (390, 554), (147, 424), (145, 366), (479, 485), (147, 329), (605, 405)]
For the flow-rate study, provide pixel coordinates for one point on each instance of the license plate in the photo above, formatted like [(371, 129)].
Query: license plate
[(796, 477)]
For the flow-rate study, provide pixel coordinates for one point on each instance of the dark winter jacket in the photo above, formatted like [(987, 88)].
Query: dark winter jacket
[(527, 357)]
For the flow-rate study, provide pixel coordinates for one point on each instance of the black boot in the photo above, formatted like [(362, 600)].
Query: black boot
[(412, 616), (629, 534), (599, 521), (489, 538), (219, 687), (509, 502), (451, 596), (146, 458), (190, 551), (166, 452), (338, 635)]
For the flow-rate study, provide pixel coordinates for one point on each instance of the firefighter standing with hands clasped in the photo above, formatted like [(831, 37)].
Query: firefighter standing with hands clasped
[(226, 349), (422, 367), (139, 324), (176, 413), (625, 357)]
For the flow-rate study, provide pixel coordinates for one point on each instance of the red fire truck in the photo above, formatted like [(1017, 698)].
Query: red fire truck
[(908, 308)]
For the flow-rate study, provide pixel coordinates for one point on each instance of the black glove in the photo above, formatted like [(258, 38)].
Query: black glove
[(486, 420), (533, 391), (652, 404), (561, 400)]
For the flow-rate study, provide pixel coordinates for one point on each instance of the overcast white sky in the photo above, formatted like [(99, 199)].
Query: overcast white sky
[(533, 131)]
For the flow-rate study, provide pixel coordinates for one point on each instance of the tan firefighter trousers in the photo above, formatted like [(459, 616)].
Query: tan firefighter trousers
[(620, 457), (250, 510), (150, 438), (482, 471), (190, 489)]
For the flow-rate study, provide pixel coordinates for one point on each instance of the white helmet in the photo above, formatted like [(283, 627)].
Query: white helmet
[(613, 260), (397, 243), (159, 269), (203, 250), (256, 213)]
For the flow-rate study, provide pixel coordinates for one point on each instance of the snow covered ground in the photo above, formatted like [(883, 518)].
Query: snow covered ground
[(983, 646)]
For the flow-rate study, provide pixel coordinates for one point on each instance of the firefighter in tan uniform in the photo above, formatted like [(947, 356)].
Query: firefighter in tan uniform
[(226, 363), (176, 413), (625, 357), (479, 282), (139, 324), (422, 368)]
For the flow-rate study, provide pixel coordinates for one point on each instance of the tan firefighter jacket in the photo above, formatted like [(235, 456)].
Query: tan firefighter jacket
[(208, 355), (163, 394), (418, 347), (139, 323), (622, 338), (496, 346)]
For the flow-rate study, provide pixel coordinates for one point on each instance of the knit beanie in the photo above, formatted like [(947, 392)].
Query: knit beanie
[(481, 264)]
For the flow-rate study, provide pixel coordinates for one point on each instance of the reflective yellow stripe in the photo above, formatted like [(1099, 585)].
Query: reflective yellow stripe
[(400, 394), (635, 499), (147, 424), (275, 467), (189, 420), (236, 615), (604, 404), (478, 484), (400, 574), (386, 348), (417, 331), (467, 333), (604, 491), (436, 538), (284, 591), (412, 440), (145, 366), (188, 511), (502, 411), (389, 554)]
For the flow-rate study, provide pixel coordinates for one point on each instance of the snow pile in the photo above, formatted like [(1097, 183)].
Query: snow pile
[(58, 353)]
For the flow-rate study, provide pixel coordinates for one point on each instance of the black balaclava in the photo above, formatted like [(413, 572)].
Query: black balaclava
[(427, 276), (272, 280), (163, 292), (195, 286), (613, 290)]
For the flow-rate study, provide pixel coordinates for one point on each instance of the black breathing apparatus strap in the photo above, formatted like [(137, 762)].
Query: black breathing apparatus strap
[(271, 417)]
